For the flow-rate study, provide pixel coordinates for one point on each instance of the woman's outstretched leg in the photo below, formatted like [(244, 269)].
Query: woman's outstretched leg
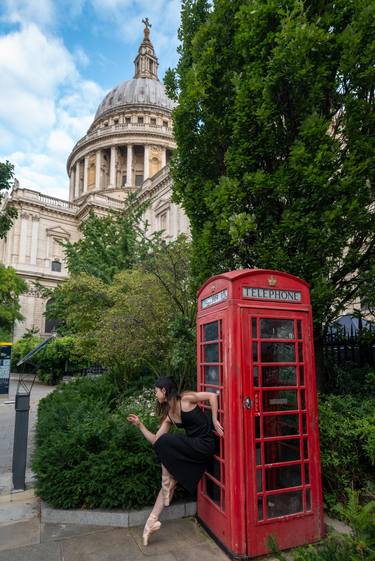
[(153, 524)]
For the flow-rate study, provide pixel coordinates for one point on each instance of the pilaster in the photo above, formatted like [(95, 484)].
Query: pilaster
[(34, 238)]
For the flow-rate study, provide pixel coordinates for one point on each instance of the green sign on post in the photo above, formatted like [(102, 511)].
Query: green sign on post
[(5, 358)]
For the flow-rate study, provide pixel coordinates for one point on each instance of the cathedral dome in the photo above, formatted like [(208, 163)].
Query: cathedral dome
[(139, 91)]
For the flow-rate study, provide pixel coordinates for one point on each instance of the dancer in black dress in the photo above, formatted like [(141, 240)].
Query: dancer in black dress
[(183, 458)]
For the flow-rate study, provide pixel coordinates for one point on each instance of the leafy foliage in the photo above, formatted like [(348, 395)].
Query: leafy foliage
[(61, 356), (87, 455), (359, 546), (108, 244), (11, 287), (8, 214), (275, 135), (139, 325), (347, 444)]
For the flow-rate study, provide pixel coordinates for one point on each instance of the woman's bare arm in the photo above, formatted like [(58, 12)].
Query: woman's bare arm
[(150, 436), (195, 397)]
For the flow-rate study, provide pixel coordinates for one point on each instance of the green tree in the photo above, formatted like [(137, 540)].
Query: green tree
[(8, 214), (140, 324), (275, 130), (11, 287), (108, 243), (170, 264)]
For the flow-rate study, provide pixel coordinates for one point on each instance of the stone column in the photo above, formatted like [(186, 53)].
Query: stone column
[(34, 239), (146, 165), (76, 177), (98, 164), (163, 157), (112, 169), (129, 165), (85, 174), (71, 184)]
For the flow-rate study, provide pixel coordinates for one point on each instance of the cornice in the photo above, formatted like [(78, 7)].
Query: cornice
[(152, 191), (27, 275)]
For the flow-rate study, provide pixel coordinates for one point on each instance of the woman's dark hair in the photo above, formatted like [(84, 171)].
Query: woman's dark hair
[(171, 392)]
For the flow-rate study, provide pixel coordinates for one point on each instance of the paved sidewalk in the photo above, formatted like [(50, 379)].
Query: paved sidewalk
[(25, 537)]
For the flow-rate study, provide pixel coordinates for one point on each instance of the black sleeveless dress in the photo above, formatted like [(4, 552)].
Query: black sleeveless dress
[(186, 456)]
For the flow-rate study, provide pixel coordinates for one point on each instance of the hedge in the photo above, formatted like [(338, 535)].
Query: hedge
[(87, 455)]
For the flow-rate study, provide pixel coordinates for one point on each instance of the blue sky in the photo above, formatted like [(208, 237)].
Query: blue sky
[(58, 58)]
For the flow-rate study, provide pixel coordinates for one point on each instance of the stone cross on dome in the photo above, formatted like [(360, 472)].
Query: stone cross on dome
[(147, 23)]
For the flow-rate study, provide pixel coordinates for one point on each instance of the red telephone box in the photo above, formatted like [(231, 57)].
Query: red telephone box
[(255, 350)]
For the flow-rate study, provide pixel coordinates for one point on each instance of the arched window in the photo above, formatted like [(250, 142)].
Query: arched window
[(56, 266), (51, 323)]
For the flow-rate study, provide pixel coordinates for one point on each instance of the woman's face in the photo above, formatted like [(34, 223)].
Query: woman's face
[(160, 395)]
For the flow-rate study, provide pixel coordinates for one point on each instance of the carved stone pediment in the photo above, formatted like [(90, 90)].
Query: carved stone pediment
[(161, 205), (58, 233)]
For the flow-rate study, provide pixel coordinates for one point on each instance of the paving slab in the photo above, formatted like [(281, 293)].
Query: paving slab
[(208, 552), (114, 544), (53, 532), (19, 534), (12, 511), (177, 537), (337, 526), (42, 552)]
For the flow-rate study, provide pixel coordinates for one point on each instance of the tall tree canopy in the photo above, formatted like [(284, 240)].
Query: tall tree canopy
[(275, 130), (8, 214), (108, 243)]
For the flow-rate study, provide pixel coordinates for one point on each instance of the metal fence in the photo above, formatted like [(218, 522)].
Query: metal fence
[(342, 345)]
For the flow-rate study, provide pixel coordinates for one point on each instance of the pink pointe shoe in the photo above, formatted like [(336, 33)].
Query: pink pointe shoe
[(152, 525)]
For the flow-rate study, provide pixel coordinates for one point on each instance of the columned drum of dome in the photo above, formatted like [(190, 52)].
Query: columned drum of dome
[(131, 137)]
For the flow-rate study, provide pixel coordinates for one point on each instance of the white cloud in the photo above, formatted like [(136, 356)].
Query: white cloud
[(41, 172), (59, 142), (41, 12), (45, 107), (80, 56)]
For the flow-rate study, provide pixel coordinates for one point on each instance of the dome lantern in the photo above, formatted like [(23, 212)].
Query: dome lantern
[(146, 62)]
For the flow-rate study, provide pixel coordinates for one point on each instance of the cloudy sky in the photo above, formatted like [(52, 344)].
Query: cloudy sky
[(58, 58)]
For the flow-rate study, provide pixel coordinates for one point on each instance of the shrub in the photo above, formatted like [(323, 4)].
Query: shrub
[(347, 442), (59, 357), (87, 455), (359, 546), (20, 349), (348, 377)]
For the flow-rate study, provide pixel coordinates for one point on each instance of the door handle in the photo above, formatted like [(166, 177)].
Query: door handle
[(247, 403)]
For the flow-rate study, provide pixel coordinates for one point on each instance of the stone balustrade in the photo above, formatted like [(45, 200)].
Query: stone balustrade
[(27, 194), (123, 127)]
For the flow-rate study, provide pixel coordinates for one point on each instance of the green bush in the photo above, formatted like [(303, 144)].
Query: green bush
[(347, 442), (59, 357), (349, 378), (359, 546), (20, 349), (87, 455)]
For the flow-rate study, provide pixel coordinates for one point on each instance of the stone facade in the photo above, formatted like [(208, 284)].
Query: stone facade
[(126, 149)]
